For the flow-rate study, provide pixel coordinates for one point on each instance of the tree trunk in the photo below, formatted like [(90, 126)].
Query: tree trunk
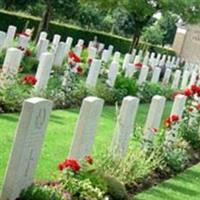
[(135, 41), (46, 18)]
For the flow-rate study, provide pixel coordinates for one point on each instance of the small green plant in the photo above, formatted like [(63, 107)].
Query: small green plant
[(36, 192)]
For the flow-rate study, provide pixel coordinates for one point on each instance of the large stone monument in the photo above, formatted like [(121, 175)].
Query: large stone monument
[(187, 42)]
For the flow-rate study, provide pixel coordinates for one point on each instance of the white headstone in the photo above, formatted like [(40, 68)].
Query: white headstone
[(193, 78), (156, 75), (101, 47), (129, 70), (143, 74), (12, 61), (43, 36), (27, 147), (176, 79), (10, 36), (124, 127), (78, 50), (93, 73), (167, 76), (43, 71), (92, 51), (105, 56), (116, 56), (69, 42), (23, 41), (185, 79), (80, 42), (127, 60), (112, 74), (60, 54), (55, 43), (154, 117), (42, 48), (179, 105), (84, 134)]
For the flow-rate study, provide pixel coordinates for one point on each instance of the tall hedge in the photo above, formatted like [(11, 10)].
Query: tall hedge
[(121, 44)]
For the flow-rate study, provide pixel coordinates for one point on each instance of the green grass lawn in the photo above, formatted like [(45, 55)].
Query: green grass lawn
[(183, 187), (59, 136)]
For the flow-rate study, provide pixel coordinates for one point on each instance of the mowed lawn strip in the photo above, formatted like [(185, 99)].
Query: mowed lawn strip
[(186, 186), (59, 136)]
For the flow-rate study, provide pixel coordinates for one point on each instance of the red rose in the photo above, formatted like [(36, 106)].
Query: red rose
[(29, 79), (74, 57), (138, 65), (72, 164), (61, 166), (79, 70), (174, 118), (194, 89), (89, 159), (188, 93), (190, 109), (90, 61)]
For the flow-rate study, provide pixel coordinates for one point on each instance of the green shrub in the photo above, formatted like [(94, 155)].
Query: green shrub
[(121, 44), (147, 90), (36, 192), (116, 189), (127, 84)]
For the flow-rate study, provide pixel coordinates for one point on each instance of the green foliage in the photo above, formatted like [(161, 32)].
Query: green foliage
[(147, 90), (127, 84), (36, 192), (153, 34), (12, 95), (116, 189), (121, 44)]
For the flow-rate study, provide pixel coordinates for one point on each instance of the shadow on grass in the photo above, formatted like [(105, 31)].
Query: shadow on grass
[(11, 118), (173, 189)]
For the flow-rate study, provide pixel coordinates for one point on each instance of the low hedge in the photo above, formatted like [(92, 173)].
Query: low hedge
[(121, 44)]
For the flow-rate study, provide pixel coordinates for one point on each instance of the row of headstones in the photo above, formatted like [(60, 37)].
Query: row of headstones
[(33, 123), (59, 51)]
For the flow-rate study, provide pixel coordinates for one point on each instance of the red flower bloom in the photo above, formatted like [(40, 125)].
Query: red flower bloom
[(170, 120), (61, 166), (89, 159), (188, 93), (72, 164), (29, 79), (79, 70), (190, 109), (194, 88), (138, 65), (90, 61), (74, 57), (174, 118)]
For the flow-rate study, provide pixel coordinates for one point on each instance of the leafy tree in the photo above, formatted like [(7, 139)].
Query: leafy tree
[(141, 11), (153, 35)]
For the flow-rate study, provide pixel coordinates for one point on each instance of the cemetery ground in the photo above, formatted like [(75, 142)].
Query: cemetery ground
[(184, 186), (79, 82), (59, 136)]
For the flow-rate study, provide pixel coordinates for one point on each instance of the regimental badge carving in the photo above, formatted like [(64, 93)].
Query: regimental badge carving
[(40, 118)]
